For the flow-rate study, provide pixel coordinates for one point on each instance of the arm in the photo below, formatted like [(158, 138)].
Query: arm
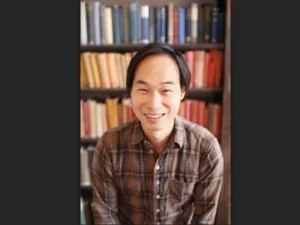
[(104, 187), (207, 190)]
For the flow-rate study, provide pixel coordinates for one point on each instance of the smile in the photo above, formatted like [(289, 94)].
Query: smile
[(154, 116)]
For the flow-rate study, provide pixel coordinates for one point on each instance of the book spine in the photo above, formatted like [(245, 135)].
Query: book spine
[(145, 24), (116, 24), (181, 25), (96, 22), (133, 22), (214, 24)]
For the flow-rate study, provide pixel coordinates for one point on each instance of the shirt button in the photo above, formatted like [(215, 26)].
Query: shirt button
[(157, 182), (151, 151), (157, 210), (157, 167), (158, 223), (157, 196)]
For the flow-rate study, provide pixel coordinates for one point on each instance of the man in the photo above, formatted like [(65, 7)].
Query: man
[(160, 168)]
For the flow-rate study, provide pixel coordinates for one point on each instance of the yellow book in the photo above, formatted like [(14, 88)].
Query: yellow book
[(119, 69), (113, 74), (88, 69), (103, 69), (83, 76), (95, 70), (112, 112)]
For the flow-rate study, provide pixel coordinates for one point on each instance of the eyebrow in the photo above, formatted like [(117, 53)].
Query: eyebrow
[(146, 83)]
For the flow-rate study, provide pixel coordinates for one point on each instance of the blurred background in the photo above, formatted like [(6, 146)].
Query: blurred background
[(111, 31)]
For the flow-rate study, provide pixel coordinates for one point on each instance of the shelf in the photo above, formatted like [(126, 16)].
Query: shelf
[(86, 192), (136, 47), (88, 141), (103, 92), (205, 94)]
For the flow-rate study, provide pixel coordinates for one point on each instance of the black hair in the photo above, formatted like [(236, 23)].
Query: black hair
[(159, 48)]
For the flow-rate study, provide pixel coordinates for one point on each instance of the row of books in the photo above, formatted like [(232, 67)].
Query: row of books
[(108, 70), (86, 211), (104, 70), (133, 23), (97, 117), (86, 157)]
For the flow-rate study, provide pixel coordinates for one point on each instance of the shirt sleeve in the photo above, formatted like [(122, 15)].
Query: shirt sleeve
[(104, 187), (207, 190)]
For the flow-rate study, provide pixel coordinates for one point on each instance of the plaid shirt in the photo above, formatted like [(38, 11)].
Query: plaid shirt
[(133, 184)]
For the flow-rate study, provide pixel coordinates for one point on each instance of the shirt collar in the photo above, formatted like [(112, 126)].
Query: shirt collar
[(178, 132)]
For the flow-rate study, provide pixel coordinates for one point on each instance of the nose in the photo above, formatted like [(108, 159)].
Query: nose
[(154, 101)]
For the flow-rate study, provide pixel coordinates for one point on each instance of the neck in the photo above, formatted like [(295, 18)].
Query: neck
[(160, 138)]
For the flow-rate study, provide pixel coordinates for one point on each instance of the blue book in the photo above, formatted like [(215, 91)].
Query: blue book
[(188, 25), (163, 23), (133, 14), (82, 215), (138, 23), (102, 25), (152, 24), (122, 24), (214, 24), (181, 25), (157, 24), (96, 22), (116, 24), (221, 27)]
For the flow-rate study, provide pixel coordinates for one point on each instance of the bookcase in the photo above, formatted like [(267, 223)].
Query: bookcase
[(218, 94)]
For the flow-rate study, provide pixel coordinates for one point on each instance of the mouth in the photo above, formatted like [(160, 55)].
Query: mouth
[(154, 117)]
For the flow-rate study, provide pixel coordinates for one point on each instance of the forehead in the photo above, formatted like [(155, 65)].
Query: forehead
[(158, 68)]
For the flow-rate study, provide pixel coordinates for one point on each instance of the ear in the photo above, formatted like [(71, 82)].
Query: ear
[(183, 91)]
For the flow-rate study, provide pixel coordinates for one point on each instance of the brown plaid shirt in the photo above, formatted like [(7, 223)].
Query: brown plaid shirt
[(132, 184)]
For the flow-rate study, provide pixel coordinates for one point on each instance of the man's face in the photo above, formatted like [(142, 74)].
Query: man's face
[(156, 93)]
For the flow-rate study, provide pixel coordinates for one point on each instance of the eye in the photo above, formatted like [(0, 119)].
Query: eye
[(166, 90), (142, 90)]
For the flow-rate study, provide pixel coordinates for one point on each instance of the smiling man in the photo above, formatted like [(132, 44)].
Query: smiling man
[(160, 168)]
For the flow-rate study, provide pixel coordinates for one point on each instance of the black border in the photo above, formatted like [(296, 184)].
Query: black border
[(40, 144), (40, 147), (264, 98)]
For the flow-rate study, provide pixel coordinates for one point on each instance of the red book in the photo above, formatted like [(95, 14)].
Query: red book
[(86, 118), (189, 57)]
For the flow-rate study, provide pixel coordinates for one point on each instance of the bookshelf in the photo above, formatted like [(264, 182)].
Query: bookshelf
[(220, 95), (135, 47)]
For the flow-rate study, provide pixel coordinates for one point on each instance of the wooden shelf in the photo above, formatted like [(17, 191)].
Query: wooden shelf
[(136, 47), (88, 141), (204, 94)]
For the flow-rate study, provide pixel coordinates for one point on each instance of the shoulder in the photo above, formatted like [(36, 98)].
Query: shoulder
[(119, 134), (197, 135)]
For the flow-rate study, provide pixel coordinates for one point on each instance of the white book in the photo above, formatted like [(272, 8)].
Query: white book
[(99, 126), (85, 179), (96, 21), (194, 19), (83, 24), (170, 23), (108, 25)]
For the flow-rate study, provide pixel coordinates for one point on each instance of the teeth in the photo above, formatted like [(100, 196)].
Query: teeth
[(153, 116)]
